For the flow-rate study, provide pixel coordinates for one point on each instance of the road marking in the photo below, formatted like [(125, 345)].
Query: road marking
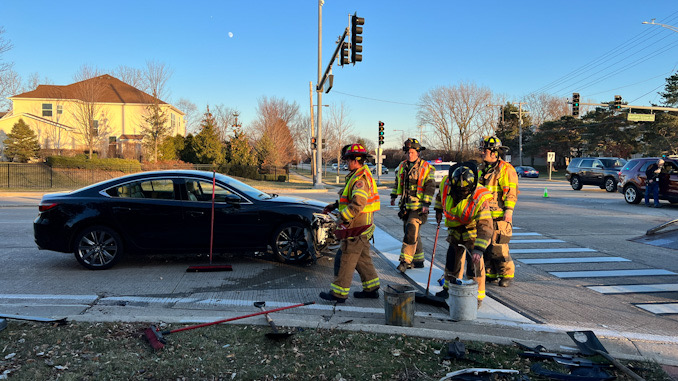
[(525, 234), (635, 288), (536, 241), (543, 261), (610, 273), (559, 250), (660, 308)]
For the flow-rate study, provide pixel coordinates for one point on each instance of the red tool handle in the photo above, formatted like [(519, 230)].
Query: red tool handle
[(236, 318), (433, 256), (214, 181)]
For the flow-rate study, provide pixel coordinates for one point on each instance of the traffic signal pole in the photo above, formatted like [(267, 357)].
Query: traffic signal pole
[(318, 183)]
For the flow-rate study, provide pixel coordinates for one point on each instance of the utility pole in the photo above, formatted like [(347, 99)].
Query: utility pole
[(312, 134), (520, 131), (318, 183)]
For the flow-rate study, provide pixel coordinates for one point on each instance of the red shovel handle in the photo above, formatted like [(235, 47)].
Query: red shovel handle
[(433, 257)]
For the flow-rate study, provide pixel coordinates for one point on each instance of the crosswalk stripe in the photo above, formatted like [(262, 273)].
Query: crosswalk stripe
[(557, 250), (536, 241), (544, 261), (660, 308), (524, 234), (610, 273), (635, 288)]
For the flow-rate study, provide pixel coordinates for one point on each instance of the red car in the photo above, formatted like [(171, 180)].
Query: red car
[(632, 180)]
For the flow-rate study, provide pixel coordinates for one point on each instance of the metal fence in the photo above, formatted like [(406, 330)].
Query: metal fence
[(41, 176)]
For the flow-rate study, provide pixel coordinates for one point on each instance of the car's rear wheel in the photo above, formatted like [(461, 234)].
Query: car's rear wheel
[(610, 184), (575, 182), (98, 248), (293, 243), (631, 194)]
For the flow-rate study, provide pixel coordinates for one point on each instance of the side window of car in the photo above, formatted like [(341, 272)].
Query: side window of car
[(129, 190), (587, 163), (644, 167), (597, 164), (162, 189), (199, 190)]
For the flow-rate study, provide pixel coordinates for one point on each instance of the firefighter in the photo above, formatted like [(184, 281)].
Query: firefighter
[(415, 184), (466, 207), (500, 178), (357, 203)]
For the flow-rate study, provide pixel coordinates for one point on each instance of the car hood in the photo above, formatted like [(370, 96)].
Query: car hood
[(297, 200)]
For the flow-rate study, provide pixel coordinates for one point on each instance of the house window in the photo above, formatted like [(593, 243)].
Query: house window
[(95, 128), (46, 109), (174, 120), (60, 109)]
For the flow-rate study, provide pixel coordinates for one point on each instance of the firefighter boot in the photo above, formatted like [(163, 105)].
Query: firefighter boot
[(331, 297), (418, 265), (505, 282), (443, 294), (367, 294), (404, 266)]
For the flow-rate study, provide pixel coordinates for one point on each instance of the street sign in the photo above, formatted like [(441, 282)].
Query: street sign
[(640, 117), (550, 157)]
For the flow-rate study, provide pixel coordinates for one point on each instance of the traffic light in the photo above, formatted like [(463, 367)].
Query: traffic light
[(324, 146), (314, 144), (356, 38), (381, 132), (344, 54), (575, 104), (617, 102)]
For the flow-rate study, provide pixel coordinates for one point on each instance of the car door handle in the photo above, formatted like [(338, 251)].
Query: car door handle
[(195, 213), (122, 209)]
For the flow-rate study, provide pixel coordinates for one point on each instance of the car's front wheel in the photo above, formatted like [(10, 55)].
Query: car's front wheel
[(98, 248), (293, 243), (610, 184), (631, 194), (575, 182)]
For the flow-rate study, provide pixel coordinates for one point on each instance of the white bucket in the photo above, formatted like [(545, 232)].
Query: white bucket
[(463, 300)]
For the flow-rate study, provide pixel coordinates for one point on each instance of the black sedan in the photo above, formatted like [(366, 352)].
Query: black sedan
[(171, 211), (525, 171)]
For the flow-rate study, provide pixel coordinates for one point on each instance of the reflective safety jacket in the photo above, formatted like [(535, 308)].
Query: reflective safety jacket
[(416, 186), (470, 218), (359, 200), (501, 179)]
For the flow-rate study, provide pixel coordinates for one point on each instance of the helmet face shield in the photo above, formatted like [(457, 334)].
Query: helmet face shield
[(463, 180)]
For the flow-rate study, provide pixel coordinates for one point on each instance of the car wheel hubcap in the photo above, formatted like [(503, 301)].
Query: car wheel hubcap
[(292, 242), (97, 248)]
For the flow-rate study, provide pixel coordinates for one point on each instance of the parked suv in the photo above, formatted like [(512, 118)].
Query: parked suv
[(442, 169), (600, 171), (632, 179)]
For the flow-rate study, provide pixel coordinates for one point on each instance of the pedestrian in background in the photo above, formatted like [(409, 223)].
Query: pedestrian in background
[(500, 178), (357, 203), (415, 184), (652, 174), (466, 207)]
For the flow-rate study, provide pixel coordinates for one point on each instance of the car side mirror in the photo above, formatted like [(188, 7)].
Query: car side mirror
[(232, 199)]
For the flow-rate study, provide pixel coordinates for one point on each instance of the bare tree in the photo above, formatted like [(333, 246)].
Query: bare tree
[(336, 128), (191, 116), (275, 116), (225, 118), (545, 107), (10, 84), (156, 76), (5, 46), (301, 134), (90, 120), (458, 114), (130, 75)]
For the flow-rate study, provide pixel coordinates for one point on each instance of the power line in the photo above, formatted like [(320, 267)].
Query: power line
[(377, 100)]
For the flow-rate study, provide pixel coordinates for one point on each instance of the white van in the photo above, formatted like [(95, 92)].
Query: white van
[(442, 169)]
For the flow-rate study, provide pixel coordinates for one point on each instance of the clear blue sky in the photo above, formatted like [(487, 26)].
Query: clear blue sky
[(410, 47)]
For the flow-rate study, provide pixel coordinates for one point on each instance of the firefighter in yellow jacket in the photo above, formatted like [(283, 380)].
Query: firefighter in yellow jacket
[(500, 178), (466, 207), (415, 184), (357, 203)]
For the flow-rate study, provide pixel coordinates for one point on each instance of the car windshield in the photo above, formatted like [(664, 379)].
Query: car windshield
[(441, 167), (244, 188), (528, 168), (613, 163)]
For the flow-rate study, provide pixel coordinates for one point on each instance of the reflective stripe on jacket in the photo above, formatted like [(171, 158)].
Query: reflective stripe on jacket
[(470, 219), (358, 204), (502, 181), (418, 192)]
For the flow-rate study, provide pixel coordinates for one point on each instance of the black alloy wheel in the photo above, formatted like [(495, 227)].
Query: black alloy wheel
[(292, 243), (631, 194), (98, 248), (576, 183), (610, 184)]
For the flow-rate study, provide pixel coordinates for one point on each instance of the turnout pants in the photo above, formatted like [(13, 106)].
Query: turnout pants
[(456, 263), (412, 250), (355, 255), (498, 261)]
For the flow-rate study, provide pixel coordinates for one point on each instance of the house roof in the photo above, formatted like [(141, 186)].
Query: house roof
[(113, 91)]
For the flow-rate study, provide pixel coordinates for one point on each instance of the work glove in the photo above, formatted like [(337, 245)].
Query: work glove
[(393, 201), (508, 215), (439, 216), (424, 210), (476, 256), (330, 207)]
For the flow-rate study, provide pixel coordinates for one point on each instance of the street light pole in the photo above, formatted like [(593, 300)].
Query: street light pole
[(319, 164), (673, 28)]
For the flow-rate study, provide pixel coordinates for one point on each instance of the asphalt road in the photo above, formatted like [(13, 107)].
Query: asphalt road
[(589, 224)]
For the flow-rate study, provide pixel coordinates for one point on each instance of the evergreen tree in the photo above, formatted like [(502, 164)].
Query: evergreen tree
[(171, 147), (21, 144), (563, 136), (207, 146), (156, 128), (241, 151), (670, 93)]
